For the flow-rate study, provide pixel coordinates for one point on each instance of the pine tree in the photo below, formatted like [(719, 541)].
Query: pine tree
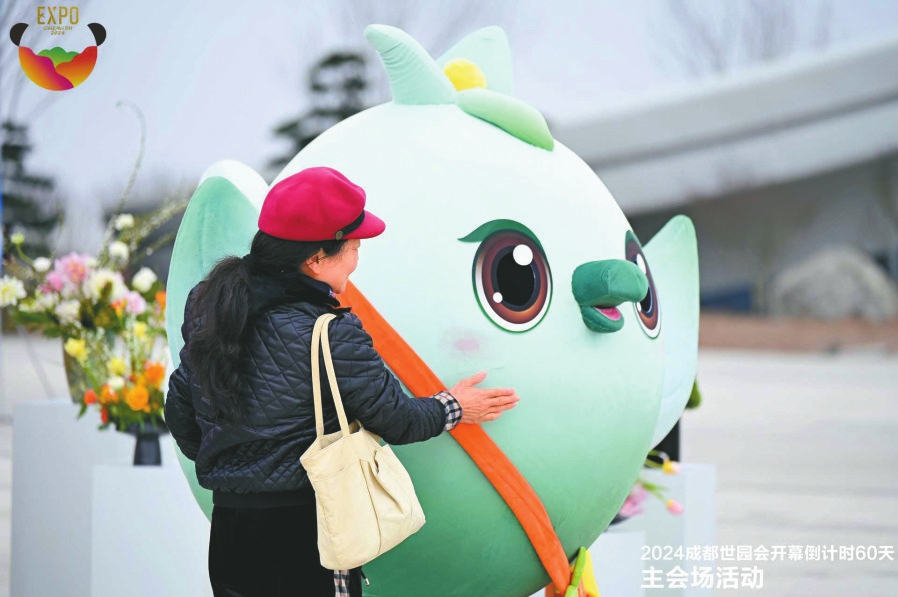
[(27, 199), (337, 84)]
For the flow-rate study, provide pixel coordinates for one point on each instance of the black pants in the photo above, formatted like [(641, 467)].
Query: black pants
[(269, 552)]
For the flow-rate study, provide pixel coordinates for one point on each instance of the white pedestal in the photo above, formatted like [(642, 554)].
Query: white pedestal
[(52, 458), (615, 559), (695, 488), (150, 537), (86, 522)]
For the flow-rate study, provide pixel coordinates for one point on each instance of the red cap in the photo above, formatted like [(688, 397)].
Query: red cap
[(317, 204)]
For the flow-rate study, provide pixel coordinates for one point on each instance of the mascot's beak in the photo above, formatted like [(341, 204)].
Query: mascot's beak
[(600, 286)]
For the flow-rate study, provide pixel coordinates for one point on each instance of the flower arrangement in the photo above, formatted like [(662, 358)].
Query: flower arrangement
[(115, 345), (633, 505)]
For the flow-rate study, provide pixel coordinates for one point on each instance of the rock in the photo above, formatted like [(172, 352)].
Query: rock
[(835, 283)]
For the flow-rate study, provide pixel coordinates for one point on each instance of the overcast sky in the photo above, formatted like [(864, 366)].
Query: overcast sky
[(212, 77)]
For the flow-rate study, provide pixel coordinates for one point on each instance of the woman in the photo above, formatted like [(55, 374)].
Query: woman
[(240, 403)]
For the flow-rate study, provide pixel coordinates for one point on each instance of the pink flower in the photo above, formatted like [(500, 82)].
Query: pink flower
[(675, 507), (630, 508), (639, 493), (73, 267), (633, 504), (134, 303), (54, 282)]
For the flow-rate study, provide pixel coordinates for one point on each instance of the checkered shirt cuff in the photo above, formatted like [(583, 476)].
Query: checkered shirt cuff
[(341, 582), (453, 409)]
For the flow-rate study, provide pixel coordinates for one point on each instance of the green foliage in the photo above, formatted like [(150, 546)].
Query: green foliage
[(695, 398)]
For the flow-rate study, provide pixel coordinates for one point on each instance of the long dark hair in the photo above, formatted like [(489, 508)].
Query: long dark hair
[(224, 299)]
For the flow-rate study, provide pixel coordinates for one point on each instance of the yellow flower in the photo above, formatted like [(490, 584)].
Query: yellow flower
[(464, 74), (140, 329), (117, 366), (76, 349), (138, 397), (671, 467)]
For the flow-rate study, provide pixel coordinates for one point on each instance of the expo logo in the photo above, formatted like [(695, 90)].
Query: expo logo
[(55, 68), (53, 17)]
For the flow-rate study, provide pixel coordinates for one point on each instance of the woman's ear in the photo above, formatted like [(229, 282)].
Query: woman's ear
[(313, 263)]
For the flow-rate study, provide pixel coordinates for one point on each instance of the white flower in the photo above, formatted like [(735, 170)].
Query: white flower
[(43, 302), (100, 278), (92, 262), (17, 238), (144, 279), (42, 264), (68, 311), (124, 221), (116, 382), (119, 251), (11, 291)]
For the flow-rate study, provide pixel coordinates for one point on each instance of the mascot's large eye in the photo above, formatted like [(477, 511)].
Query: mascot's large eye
[(512, 279), (648, 310)]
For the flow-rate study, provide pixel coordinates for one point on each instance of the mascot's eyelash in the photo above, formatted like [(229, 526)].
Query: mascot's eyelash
[(484, 230)]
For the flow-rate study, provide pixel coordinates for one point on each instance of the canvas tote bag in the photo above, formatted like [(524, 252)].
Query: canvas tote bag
[(365, 500)]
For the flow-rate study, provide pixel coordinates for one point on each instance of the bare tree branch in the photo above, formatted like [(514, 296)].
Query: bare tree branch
[(721, 36)]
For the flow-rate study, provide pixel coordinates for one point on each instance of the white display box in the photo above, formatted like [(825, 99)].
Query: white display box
[(695, 487), (87, 522), (150, 537)]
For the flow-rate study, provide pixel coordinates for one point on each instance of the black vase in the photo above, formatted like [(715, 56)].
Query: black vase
[(147, 451), (618, 519)]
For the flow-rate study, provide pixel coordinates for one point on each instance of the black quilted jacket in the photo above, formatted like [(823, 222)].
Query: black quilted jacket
[(256, 464)]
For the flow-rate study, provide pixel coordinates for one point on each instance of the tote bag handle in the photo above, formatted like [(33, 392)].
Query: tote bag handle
[(320, 339)]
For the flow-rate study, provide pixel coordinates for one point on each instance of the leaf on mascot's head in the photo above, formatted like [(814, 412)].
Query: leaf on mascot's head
[(509, 114)]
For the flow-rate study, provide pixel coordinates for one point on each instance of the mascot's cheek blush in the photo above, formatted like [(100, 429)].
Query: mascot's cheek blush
[(466, 344)]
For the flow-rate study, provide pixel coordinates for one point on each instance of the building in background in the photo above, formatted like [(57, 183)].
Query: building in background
[(773, 164)]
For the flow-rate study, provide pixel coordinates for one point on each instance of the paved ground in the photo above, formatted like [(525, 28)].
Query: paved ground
[(804, 443), (806, 452)]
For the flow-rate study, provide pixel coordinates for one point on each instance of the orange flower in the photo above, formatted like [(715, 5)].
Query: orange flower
[(90, 397), (154, 373), (108, 395), (104, 415), (160, 298), (118, 307), (138, 397)]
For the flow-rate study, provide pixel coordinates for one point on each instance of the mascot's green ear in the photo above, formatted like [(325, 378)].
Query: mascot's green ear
[(487, 48), (220, 220), (415, 77), (673, 257)]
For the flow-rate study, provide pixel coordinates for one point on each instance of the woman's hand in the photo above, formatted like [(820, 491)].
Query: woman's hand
[(482, 404)]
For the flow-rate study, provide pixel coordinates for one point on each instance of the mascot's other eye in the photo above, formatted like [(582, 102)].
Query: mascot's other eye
[(648, 310), (512, 280)]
